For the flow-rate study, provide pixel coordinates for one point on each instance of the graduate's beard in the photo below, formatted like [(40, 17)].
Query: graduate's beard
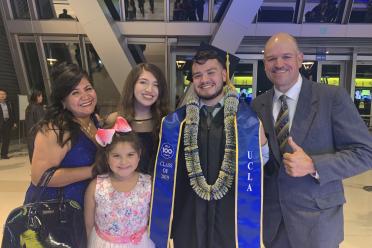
[(213, 96)]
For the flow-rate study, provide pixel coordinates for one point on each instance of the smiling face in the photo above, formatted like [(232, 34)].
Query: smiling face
[(146, 90), (123, 160), (208, 79), (82, 100), (282, 61)]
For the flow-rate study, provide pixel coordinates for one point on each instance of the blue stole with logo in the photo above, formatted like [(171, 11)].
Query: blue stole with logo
[(248, 179)]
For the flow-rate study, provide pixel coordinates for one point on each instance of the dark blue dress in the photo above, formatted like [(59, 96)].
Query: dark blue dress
[(81, 154)]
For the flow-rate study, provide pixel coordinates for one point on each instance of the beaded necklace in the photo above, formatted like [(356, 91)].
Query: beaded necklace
[(87, 129), (227, 171)]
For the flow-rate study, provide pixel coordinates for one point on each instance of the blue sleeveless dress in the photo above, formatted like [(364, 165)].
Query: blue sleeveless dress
[(81, 154)]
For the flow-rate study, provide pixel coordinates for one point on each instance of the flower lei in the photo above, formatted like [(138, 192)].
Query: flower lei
[(227, 171)]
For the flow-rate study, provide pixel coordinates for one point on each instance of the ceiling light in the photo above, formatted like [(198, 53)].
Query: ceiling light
[(51, 61), (180, 64), (308, 65)]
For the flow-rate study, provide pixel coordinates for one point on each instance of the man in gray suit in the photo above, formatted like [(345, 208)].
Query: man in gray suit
[(327, 141)]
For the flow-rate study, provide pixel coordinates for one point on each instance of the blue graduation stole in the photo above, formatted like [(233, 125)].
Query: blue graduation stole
[(248, 179)]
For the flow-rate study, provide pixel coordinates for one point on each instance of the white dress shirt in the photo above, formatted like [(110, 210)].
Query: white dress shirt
[(5, 110), (292, 98)]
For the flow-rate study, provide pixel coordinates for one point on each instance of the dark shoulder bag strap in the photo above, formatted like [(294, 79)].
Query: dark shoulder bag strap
[(43, 183), (45, 178)]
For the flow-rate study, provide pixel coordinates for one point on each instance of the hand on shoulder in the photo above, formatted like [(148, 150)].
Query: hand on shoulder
[(110, 120)]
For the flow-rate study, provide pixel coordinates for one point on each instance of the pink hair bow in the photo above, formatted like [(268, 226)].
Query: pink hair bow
[(104, 136)]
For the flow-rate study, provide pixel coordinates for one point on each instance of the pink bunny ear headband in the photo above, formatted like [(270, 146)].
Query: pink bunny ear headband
[(104, 136)]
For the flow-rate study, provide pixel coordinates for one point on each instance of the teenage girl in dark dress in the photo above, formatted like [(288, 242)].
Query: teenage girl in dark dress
[(144, 102)]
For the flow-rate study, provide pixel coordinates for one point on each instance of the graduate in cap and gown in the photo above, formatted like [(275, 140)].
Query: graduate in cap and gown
[(207, 189)]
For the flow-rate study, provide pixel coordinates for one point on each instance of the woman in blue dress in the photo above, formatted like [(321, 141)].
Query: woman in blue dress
[(65, 137)]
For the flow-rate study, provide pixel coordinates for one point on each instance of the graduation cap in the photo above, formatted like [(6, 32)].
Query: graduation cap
[(228, 61)]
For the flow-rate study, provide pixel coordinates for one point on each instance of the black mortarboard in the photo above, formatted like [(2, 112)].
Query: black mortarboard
[(216, 52)]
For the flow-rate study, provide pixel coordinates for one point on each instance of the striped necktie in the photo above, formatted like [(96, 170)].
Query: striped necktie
[(208, 110), (282, 123)]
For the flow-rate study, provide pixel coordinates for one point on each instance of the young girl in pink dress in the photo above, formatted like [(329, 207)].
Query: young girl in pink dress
[(117, 202)]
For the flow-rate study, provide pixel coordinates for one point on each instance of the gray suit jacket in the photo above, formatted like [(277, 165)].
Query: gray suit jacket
[(328, 127)]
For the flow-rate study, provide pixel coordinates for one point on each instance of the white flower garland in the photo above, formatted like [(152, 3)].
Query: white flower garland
[(227, 171)]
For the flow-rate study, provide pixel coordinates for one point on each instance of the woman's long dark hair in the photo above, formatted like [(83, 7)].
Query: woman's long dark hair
[(34, 95), (65, 77)]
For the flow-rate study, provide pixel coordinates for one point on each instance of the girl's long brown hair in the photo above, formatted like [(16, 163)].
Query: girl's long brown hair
[(158, 110)]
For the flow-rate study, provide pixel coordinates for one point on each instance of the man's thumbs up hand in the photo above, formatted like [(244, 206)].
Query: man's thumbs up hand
[(293, 145), (297, 163)]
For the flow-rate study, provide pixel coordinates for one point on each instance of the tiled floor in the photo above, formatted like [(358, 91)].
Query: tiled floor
[(14, 180), (15, 172)]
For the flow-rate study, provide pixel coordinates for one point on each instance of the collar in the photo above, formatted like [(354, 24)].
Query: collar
[(293, 93), (220, 103)]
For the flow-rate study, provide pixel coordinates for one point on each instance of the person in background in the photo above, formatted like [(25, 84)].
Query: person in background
[(65, 15), (144, 102), (141, 6), (7, 122), (65, 137), (34, 113), (189, 8), (316, 139), (117, 201), (178, 11), (199, 5), (325, 11), (151, 2)]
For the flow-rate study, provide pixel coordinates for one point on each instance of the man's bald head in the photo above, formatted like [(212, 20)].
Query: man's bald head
[(282, 37), (282, 60)]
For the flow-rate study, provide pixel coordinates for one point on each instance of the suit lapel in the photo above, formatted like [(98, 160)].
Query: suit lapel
[(305, 113), (267, 118)]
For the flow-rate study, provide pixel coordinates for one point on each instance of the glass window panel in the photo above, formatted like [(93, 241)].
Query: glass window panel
[(183, 70), (263, 82), (331, 74), (32, 64), (243, 79), (276, 11), (48, 9), (62, 52), (361, 11), (324, 11), (363, 91), (113, 7), (151, 52), (189, 11), (107, 94), (20, 9), (219, 9), (45, 9), (116, 4), (309, 70), (144, 10)]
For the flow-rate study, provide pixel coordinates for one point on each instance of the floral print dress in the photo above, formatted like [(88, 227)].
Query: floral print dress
[(121, 218)]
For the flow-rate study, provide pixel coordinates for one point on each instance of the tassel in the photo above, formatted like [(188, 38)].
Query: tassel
[(228, 82)]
